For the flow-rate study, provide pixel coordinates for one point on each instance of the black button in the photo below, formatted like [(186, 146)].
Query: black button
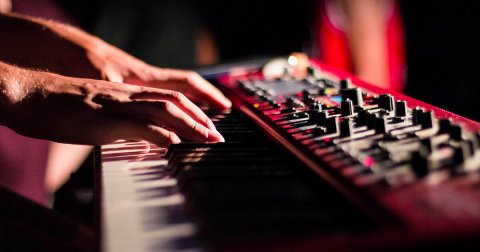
[(347, 107), (400, 108), (288, 110), (354, 94), (346, 128), (385, 101)]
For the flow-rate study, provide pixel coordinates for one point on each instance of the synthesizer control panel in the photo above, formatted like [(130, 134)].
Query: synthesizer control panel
[(383, 150)]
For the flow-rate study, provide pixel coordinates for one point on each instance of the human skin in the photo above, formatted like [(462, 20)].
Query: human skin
[(366, 32), (86, 111), (63, 109), (54, 47)]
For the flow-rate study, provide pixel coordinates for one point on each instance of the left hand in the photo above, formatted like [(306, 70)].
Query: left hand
[(118, 66)]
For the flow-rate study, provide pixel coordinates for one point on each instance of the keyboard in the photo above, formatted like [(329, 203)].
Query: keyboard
[(323, 162)]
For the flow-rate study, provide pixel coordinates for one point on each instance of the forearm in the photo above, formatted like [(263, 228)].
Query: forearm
[(13, 88), (66, 50), (19, 86), (45, 45), (14, 82), (3, 94), (366, 31), (50, 106)]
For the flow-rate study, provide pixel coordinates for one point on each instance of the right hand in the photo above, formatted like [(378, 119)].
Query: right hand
[(94, 112)]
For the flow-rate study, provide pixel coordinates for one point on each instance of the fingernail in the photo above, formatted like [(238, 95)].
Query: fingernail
[(227, 103), (220, 135), (215, 136), (176, 140)]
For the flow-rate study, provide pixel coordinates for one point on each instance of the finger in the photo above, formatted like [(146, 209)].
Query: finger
[(112, 128), (193, 85), (180, 101), (112, 74), (206, 90), (163, 112), (138, 130), (173, 118)]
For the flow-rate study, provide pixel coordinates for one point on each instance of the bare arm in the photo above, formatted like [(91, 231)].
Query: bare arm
[(86, 111), (63, 49), (366, 31)]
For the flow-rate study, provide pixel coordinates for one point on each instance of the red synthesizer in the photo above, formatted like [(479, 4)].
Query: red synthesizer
[(314, 160)]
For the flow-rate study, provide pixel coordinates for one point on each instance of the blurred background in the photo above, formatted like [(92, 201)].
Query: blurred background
[(429, 50), (426, 49)]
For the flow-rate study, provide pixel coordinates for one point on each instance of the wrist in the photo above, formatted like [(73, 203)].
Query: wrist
[(16, 84), (5, 92)]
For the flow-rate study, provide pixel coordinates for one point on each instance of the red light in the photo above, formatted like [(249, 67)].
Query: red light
[(368, 162)]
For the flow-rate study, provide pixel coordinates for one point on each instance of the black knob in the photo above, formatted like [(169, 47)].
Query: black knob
[(371, 117), (308, 99), (444, 126), (427, 144), (380, 125), (461, 153), (400, 108), (332, 125), (293, 102), (264, 97), (354, 94), (455, 132), (316, 106), (288, 110), (346, 128), (345, 83), (426, 120), (416, 115), (419, 162), (361, 119), (385, 101), (318, 117), (347, 107), (306, 92), (275, 104), (298, 115)]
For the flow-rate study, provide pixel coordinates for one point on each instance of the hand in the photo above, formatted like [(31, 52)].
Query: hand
[(117, 66), (85, 111), (66, 50)]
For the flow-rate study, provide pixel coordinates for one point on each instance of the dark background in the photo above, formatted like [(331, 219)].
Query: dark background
[(442, 37)]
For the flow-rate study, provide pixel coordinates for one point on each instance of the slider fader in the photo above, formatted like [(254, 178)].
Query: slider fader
[(389, 141)]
